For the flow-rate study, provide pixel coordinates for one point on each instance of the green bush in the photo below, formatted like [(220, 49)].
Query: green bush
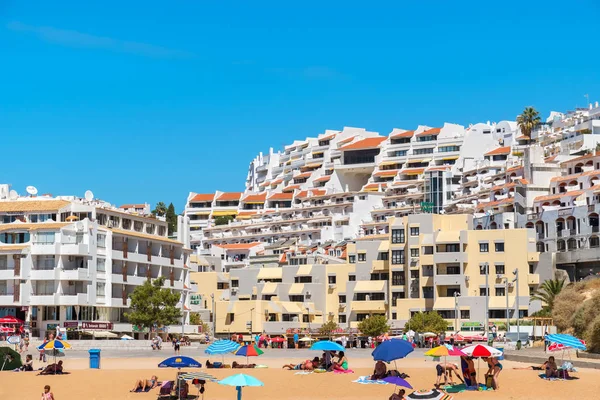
[(593, 337), (13, 362), (565, 306)]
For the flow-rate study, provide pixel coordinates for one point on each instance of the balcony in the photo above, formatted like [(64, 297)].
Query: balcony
[(8, 274), (533, 279), (43, 274), (7, 300), (44, 300), (380, 266), (449, 280), (368, 306), (449, 257), (280, 327), (74, 249), (79, 274), (79, 299)]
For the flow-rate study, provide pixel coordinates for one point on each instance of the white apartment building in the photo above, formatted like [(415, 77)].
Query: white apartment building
[(70, 262)]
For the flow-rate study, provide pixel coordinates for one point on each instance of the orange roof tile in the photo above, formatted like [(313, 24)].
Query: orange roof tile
[(582, 158), (412, 171), (203, 197), (558, 196), (430, 132), (246, 213), (304, 175), (575, 176), (550, 159), (515, 168), (276, 181), (505, 186), (369, 143), (323, 178), (499, 151), (283, 258), (291, 188), (313, 192), (133, 206), (281, 196), (348, 139), (523, 137), (255, 197), (506, 201), (230, 196), (238, 246), (387, 172), (407, 134)]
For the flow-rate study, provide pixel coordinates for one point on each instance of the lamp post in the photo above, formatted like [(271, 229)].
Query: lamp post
[(507, 314), (456, 295), (308, 312), (487, 297), (251, 323), (214, 317), (516, 280)]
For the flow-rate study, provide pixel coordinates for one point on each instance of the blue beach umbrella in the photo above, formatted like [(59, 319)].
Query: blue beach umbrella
[(567, 340), (222, 347), (392, 350), (326, 345), (179, 362), (239, 381)]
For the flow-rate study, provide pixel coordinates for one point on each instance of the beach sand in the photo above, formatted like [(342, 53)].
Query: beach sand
[(117, 376)]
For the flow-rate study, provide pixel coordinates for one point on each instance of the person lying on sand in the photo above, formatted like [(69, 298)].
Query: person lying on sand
[(52, 369), (144, 385), (303, 366), (534, 367), (239, 366)]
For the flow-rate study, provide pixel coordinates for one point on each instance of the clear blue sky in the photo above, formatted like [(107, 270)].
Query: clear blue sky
[(148, 100)]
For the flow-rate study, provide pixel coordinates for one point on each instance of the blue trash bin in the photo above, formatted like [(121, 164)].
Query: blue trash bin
[(94, 358)]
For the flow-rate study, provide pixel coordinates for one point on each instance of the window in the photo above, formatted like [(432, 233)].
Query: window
[(500, 291), (482, 291), (499, 247), (235, 283), (231, 317), (398, 236), (427, 249), (414, 231), (397, 257), (342, 319), (395, 297), (414, 252), (298, 298), (453, 248), (427, 270), (45, 238), (500, 269), (220, 285), (100, 289), (428, 292), (305, 318), (394, 315), (483, 269), (331, 279), (101, 264), (362, 257), (531, 268), (351, 278), (497, 314), (398, 278), (303, 279), (427, 150), (465, 314), (342, 298), (362, 197), (352, 259), (383, 256), (50, 313), (484, 247)]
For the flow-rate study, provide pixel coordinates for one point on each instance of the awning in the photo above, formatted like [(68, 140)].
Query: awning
[(312, 221), (386, 163), (369, 286), (427, 239), (290, 307), (304, 270), (313, 165), (384, 246), (269, 288), (312, 309), (200, 212), (246, 216), (448, 237), (450, 158), (270, 273), (275, 307), (296, 288), (224, 213), (254, 202)]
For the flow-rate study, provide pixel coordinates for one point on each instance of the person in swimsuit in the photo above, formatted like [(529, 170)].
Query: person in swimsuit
[(469, 372), (379, 372), (342, 363), (303, 366), (47, 394), (143, 385), (494, 369), (551, 368), (446, 370)]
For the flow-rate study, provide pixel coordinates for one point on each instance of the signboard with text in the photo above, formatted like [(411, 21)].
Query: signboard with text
[(107, 326), (71, 324)]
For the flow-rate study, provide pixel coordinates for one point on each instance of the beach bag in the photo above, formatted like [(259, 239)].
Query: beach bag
[(217, 365), (489, 381)]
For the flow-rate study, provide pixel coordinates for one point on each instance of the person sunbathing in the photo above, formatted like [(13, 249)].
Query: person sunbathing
[(239, 366), (214, 365), (303, 366), (144, 385), (379, 372), (551, 368), (52, 369), (534, 367)]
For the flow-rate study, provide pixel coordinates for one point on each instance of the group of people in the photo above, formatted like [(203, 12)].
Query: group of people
[(469, 373), (329, 361), (549, 367)]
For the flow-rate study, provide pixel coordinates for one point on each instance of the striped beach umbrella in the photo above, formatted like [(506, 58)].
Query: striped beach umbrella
[(567, 341), (433, 394), (202, 376), (222, 347), (249, 350), (55, 344)]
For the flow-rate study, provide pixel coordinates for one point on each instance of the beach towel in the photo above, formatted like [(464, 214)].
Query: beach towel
[(303, 373), (261, 366), (139, 390), (455, 388), (348, 371), (364, 380)]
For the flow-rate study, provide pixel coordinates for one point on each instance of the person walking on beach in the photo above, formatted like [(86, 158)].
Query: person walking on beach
[(177, 346), (296, 340), (47, 394)]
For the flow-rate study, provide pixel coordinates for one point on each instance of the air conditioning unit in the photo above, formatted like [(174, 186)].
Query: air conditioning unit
[(332, 286), (467, 277), (234, 290), (342, 305), (499, 276)]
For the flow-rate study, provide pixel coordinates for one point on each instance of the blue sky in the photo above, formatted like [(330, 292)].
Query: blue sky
[(146, 101)]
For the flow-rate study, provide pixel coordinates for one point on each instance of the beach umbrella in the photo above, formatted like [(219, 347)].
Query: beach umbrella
[(201, 377), (10, 320), (179, 362), (54, 345), (392, 350), (250, 350), (222, 347), (239, 381), (481, 350), (327, 345), (429, 334), (396, 380), (564, 342), (306, 339), (445, 351), (126, 337), (433, 394)]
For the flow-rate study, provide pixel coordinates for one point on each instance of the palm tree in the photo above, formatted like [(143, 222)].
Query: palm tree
[(529, 119), (160, 209), (548, 291)]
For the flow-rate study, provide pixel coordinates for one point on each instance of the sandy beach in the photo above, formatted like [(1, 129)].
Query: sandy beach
[(116, 377)]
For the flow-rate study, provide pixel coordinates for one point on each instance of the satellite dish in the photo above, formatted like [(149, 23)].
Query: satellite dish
[(32, 190), (13, 195), (89, 196)]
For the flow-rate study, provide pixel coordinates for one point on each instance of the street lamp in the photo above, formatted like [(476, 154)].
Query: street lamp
[(456, 296), (251, 323), (507, 314), (214, 317), (516, 280), (487, 297), (308, 312)]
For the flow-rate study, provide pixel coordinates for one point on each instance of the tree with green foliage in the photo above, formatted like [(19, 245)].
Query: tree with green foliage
[(426, 322), (328, 328), (223, 219), (9, 359), (528, 120), (196, 320), (160, 210), (548, 292), (152, 304), (374, 326), (171, 217)]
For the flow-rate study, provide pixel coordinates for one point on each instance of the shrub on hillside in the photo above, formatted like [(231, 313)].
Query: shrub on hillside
[(565, 307), (593, 340), (585, 315)]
